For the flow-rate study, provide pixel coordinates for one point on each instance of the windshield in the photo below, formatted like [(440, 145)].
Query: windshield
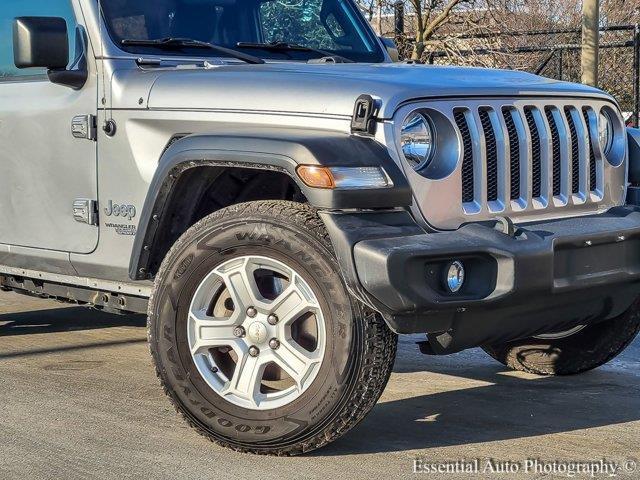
[(251, 26)]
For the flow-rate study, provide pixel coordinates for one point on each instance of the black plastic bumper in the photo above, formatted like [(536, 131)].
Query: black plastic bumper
[(546, 277)]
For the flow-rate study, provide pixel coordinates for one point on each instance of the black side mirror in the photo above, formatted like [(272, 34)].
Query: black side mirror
[(43, 42), (392, 48), (40, 42)]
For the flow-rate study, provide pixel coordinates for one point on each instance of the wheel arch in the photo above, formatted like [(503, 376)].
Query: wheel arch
[(193, 165)]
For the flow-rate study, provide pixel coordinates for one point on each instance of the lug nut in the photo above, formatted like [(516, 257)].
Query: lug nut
[(272, 319), (251, 312), (254, 351), (274, 343), (239, 332)]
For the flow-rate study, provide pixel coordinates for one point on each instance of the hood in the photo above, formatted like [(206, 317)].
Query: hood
[(331, 89)]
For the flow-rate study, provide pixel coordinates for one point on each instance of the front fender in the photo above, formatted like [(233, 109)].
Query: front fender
[(271, 149)]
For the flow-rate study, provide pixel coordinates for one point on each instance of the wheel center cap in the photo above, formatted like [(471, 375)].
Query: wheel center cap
[(257, 332)]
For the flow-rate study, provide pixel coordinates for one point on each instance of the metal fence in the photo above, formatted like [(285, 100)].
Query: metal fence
[(551, 53)]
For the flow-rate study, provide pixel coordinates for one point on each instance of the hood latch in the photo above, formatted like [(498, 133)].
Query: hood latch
[(364, 119)]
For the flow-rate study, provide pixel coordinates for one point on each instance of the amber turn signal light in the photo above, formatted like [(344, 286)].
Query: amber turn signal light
[(316, 177), (344, 178)]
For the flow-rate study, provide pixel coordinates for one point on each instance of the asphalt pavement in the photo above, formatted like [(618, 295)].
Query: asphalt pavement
[(79, 400)]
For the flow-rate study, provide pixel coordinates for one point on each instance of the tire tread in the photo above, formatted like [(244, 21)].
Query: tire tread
[(379, 345), (607, 341)]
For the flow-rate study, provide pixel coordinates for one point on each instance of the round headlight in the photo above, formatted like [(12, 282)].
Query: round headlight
[(417, 140), (605, 131)]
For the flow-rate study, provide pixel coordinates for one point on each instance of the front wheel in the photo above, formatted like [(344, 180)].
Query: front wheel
[(573, 351), (255, 338)]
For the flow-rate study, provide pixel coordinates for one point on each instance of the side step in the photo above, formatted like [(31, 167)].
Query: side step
[(112, 302)]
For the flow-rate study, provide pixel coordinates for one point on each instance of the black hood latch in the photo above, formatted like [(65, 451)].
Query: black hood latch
[(364, 118)]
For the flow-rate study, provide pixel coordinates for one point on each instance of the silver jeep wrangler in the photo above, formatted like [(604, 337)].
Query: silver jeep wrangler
[(282, 200)]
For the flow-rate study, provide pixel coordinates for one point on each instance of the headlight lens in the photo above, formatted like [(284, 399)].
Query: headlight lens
[(605, 131), (417, 140)]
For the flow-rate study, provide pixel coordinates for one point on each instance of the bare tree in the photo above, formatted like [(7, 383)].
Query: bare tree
[(546, 38), (376, 11), (430, 16), (368, 8)]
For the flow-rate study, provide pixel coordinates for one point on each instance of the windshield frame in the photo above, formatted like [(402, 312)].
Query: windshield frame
[(377, 55)]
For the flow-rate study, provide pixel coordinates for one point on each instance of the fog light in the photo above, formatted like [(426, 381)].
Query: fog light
[(455, 276)]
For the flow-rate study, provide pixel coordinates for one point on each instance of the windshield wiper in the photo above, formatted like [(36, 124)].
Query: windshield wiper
[(284, 46), (178, 43)]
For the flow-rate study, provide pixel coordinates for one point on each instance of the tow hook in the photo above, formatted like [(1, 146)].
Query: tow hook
[(506, 226)]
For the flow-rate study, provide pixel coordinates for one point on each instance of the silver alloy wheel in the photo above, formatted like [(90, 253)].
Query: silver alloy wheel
[(559, 335), (256, 332)]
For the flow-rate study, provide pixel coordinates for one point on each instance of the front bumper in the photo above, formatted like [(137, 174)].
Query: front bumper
[(545, 277)]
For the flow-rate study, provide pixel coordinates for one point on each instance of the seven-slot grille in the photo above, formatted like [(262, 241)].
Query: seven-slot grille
[(524, 157)]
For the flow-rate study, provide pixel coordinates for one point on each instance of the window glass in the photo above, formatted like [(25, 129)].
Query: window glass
[(300, 23), (10, 9), (333, 26)]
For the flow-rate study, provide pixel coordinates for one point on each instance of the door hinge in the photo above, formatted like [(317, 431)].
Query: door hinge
[(364, 116), (85, 211), (85, 126)]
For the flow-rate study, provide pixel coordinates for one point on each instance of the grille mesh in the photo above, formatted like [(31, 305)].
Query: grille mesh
[(575, 151), (514, 149), (536, 170), (481, 164), (467, 160), (592, 158), (555, 136), (492, 156)]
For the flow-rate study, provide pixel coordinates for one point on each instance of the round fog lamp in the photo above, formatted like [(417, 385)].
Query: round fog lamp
[(455, 276)]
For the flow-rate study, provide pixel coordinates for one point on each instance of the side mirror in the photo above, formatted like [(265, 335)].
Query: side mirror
[(43, 42), (392, 48), (40, 42)]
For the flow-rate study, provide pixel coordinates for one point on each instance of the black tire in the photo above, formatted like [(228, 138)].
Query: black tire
[(360, 348), (585, 350)]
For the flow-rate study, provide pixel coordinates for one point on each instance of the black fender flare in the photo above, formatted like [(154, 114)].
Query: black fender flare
[(633, 190), (281, 150)]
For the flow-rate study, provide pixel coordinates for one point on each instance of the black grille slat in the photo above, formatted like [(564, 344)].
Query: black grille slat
[(514, 149), (491, 155), (467, 159), (550, 154), (575, 152), (557, 161), (536, 168), (593, 179)]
